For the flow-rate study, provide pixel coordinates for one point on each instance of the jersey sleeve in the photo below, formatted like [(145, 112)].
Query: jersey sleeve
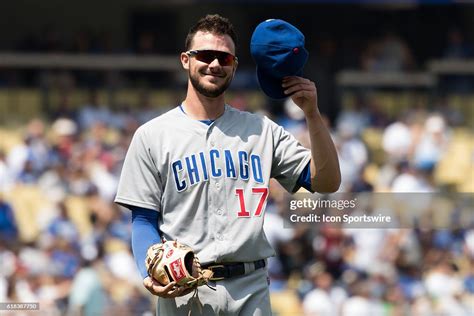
[(140, 183), (305, 179), (289, 158)]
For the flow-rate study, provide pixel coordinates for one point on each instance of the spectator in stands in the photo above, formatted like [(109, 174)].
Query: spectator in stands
[(63, 227), (146, 43), (357, 116), (147, 110), (17, 159), (326, 298), (469, 243), (359, 302), (83, 43), (397, 143), (394, 302), (93, 112), (432, 143), (88, 296), (65, 132), (138, 303), (391, 53), (8, 268), (6, 178), (445, 287), (360, 183), (64, 109), (457, 47), (352, 153), (413, 178), (8, 225), (28, 160)]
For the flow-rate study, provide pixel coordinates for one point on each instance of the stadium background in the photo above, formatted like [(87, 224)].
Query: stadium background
[(395, 81)]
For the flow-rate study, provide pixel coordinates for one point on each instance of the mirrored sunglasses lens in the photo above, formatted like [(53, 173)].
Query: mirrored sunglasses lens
[(225, 59), (205, 56)]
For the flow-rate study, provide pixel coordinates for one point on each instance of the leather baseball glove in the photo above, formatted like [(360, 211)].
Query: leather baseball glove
[(173, 261)]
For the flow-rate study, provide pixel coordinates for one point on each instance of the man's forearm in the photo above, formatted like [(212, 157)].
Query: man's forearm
[(325, 172), (145, 232)]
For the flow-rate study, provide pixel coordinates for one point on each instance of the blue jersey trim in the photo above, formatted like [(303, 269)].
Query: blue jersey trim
[(305, 179), (145, 232), (207, 122)]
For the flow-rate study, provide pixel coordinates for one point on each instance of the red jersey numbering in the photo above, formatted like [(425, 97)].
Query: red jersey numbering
[(263, 192)]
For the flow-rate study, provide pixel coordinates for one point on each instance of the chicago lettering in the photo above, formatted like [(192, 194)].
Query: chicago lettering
[(195, 168)]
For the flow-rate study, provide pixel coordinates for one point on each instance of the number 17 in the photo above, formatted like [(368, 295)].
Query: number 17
[(263, 197)]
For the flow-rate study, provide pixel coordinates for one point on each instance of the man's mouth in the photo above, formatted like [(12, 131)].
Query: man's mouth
[(214, 75)]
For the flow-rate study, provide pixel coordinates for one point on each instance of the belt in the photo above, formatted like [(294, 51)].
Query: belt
[(229, 270)]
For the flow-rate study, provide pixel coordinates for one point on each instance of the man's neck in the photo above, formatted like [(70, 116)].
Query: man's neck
[(200, 107)]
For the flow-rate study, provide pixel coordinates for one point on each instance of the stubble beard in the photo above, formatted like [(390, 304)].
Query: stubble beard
[(208, 92)]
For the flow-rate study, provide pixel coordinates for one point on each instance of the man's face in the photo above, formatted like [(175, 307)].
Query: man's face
[(209, 79)]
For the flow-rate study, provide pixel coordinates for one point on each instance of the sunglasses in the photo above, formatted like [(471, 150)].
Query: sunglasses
[(208, 56)]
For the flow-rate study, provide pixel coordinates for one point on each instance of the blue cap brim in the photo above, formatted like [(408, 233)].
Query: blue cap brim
[(271, 85)]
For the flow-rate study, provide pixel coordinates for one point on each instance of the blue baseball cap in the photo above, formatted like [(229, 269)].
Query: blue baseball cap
[(278, 49)]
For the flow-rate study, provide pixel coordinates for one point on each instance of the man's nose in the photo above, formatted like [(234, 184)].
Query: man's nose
[(215, 63)]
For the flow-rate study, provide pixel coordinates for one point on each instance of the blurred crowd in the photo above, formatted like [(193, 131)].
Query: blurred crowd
[(66, 245), (48, 257), (385, 51), (421, 269)]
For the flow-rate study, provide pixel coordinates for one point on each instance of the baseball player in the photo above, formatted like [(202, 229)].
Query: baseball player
[(200, 174)]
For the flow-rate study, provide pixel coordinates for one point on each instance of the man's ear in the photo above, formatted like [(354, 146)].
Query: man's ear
[(236, 64), (185, 60)]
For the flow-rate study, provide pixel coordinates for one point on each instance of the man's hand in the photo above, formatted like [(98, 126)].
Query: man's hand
[(169, 291), (303, 92), (325, 171)]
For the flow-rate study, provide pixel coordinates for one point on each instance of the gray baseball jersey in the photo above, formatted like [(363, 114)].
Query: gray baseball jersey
[(210, 183)]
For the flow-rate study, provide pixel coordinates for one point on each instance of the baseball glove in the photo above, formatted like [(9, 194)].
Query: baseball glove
[(173, 261)]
